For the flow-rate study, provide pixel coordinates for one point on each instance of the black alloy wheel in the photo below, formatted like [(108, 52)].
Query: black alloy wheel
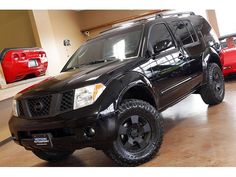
[(134, 133), (139, 134)]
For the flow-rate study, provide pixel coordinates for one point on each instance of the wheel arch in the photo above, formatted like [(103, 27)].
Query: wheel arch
[(139, 90), (210, 56)]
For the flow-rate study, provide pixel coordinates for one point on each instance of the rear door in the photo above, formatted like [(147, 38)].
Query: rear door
[(191, 46)]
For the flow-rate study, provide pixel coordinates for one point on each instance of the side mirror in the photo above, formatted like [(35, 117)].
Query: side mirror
[(162, 45)]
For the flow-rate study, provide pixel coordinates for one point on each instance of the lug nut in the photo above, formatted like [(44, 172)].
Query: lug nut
[(89, 132)]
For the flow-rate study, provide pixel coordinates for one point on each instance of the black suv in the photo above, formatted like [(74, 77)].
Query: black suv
[(110, 93)]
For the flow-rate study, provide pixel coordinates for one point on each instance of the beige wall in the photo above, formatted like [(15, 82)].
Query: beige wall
[(16, 29), (50, 29), (66, 25)]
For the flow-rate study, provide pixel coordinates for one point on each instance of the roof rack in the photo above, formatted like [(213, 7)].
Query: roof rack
[(161, 15), (123, 24), (155, 16)]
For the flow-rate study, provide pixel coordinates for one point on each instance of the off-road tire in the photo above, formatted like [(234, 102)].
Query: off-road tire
[(52, 156), (132, 108), (213, 91)]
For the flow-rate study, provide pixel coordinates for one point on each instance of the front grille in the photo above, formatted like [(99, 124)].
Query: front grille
[(40, 106), (20, 108), (46, 106), (67, 101)]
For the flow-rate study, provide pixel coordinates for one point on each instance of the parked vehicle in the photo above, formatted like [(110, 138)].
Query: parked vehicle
[(228, 54), (111, 92), (20, 63)]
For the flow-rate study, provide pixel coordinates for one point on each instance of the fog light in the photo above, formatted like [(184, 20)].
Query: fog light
[(89, 132)]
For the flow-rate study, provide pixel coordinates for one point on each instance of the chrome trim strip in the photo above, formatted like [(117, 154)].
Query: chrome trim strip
[(176, 85)]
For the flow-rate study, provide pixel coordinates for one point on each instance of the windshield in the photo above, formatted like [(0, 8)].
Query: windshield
[(108, 47)]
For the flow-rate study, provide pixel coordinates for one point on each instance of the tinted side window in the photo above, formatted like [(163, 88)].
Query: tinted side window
[(184, 31), (190, 30), (160, 38)]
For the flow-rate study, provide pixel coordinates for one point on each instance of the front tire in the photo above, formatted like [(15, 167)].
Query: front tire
[(52, 156), (214, 91), (140, 133)]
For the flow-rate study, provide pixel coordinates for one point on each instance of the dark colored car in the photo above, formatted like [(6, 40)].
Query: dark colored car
[(111, 92), (20, 63), (228, 54)]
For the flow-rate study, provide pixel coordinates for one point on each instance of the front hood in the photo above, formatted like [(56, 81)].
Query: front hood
[(85, 75)]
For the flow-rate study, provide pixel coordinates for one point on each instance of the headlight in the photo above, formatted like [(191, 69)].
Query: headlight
[(14, 108), (87, 95)]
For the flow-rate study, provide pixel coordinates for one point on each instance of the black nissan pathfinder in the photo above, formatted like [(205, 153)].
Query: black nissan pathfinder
[(110, 93)]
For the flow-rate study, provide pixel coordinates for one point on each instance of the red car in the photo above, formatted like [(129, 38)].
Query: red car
[(20, 63), (228, 54)]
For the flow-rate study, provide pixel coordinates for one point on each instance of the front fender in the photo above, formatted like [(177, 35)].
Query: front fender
[(119, 86)]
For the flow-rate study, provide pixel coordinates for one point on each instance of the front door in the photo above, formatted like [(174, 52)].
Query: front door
[(170, 69)]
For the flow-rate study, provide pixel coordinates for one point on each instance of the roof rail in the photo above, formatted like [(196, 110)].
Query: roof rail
[(161, 15), (158, 15), (123, 24)]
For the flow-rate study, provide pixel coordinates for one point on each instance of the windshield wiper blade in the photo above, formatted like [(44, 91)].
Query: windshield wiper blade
[(93, 62), (102, 61)]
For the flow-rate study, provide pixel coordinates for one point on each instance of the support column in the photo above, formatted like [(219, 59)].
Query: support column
[(44, 37), (211, 16)]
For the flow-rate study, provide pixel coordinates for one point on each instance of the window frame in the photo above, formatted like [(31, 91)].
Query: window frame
[(193, 43), (170, 32)]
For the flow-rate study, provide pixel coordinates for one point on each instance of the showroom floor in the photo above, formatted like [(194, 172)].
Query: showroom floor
[(195, 135)]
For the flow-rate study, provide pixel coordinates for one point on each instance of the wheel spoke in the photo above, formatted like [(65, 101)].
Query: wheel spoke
[(127, 145), (146, 128), (134, 119), (218, 87), (130, 140), (123, 130), (140, 141)]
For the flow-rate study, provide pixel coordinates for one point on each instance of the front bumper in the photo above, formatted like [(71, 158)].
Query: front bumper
[(68, 132)]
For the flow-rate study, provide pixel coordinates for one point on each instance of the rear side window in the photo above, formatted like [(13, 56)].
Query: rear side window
[(183, 30)]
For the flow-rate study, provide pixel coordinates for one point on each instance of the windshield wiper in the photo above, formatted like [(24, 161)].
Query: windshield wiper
[(92, 62), (102, 61)]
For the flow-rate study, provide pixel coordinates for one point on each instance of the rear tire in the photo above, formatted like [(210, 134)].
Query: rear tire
[(140, 133), (52, 156), (214, 91)]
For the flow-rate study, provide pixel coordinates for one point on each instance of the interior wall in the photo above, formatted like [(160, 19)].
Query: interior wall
[(16, 29), (51, 27), (42, 26), (66, 25)]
